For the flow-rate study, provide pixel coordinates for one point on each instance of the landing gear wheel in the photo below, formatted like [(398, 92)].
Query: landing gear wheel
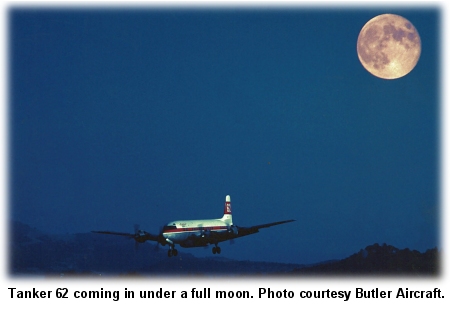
[(218, 250), (214, 250), (175, 252), (169, 253)]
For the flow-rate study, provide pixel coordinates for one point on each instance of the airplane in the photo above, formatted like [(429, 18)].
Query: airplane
[(197, 233)]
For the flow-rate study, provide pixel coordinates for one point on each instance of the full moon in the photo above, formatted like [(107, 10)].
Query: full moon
[(388, 46)]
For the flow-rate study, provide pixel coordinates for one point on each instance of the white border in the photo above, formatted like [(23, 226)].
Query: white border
[(295, 284)]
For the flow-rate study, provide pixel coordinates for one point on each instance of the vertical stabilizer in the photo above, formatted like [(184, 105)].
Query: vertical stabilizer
[(227, 211)]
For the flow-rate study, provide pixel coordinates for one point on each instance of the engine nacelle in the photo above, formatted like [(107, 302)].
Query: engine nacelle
[(206, 233), (233, 229)]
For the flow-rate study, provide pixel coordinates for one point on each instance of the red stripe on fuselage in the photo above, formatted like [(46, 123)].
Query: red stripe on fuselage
[(178, 230)]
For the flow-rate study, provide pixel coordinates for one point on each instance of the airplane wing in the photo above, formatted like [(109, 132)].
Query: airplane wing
[(235, 232), (245, 231), (139, 236), (197, 241)]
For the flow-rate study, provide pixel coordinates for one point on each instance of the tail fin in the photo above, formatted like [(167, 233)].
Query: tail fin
[(227, 217)]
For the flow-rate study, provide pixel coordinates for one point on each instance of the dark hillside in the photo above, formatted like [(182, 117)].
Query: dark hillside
[(380, 260), (35, 253)]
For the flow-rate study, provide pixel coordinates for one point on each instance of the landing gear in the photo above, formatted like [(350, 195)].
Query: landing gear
[(172, 252), (216, 249)]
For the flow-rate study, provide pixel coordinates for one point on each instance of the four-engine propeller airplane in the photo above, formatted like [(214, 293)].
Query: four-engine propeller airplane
[(197, 233)]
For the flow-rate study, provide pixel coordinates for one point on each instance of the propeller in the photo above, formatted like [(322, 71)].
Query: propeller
[(160, 239), (233, 230), (136, 235)]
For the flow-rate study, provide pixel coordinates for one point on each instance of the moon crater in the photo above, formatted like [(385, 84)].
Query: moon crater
[(388, 46)]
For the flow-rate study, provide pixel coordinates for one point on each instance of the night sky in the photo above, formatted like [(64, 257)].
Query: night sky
[(141, 116)]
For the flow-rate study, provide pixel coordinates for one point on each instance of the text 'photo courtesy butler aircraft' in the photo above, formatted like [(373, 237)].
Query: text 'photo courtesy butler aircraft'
[(197, 233)]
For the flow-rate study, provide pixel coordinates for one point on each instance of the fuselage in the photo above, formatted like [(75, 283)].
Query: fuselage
[(197, 233), (182, 230)]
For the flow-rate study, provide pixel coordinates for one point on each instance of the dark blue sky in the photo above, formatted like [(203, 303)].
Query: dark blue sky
[(143, 116)]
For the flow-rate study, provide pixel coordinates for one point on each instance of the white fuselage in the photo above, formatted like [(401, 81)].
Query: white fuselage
[(197, 233), (179, 231)]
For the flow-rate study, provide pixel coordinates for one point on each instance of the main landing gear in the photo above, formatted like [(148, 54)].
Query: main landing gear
[(216, 249)]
